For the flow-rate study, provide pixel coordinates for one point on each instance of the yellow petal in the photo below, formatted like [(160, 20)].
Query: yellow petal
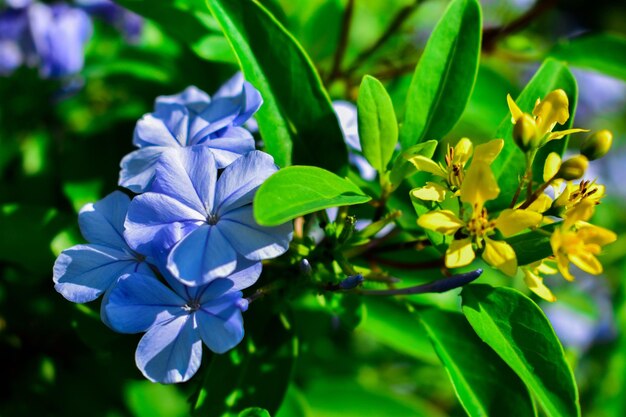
[(442, 221), (479, 185), (500, 255), (561, 133), (587, 262), (426, 164), (430, 192), (488, 152), (553, 109), (512, 221), (562, 262), (551, 166), (580, 212), (462, 151), (541, 204), (516, 113), (596, 235), (536, 285), (460, 253)]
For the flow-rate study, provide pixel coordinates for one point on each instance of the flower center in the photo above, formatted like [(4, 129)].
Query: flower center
[(212, 219), (480, 225), (192, 306)]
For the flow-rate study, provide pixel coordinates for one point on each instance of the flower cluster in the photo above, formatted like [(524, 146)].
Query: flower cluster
[(53, 37), (173, 260), (466, 183)]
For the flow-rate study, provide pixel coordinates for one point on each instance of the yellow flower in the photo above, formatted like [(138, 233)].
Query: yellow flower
[(456, 158), (553, 109), (534, 280), (478, 187), (430, 192), (579, 245)]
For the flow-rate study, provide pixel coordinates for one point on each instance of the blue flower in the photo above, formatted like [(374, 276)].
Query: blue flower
[(13, 33), (204, 224), (59, 34), (176, 322), (84, 272), (192, 119)]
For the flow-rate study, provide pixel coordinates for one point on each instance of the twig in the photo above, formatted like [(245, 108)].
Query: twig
[(395, 24), (438, 286), (492, 35), (346, 22)]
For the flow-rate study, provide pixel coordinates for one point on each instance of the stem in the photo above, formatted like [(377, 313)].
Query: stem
[(346, 22), (438, 286), (536, 194), (398, 20), (492, 35), (527, 179)]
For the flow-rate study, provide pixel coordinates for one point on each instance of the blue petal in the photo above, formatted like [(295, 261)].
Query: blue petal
[(192, 97), (188, 176), (202, 256), (166, 127), (240, 180), (83, 272), (246, 274), (103, 222), (348, 121), (138, 167), (216, 116), (367, 171), (154, 218), (220, 323), (139, 301), (247, 98), (251, 240), (170, 352), (226, 149)]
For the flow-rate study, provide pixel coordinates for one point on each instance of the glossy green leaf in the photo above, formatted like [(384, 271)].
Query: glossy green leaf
[(146, 399), (510, 164), (518, 331), (378, 127), (476, 372), (403, 168), (297, 121), (240, 378), (254, 412), (389, 322), (601, 52), (443, 80), (298, 190), (532, 246)]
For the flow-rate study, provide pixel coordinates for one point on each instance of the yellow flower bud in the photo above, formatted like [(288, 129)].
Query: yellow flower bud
[(597, 145), (573, 168), (525, 132)]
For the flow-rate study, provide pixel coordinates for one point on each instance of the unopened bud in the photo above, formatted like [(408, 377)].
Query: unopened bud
[(573, 168), (525, 132), (305, 267), (597, 145)]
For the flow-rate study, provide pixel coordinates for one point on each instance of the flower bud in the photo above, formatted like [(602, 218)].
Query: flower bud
[(573, 168), (525, 132), (597, 145)]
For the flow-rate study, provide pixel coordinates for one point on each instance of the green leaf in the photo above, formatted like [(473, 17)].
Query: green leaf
[(476, 372), (254, 374), (518, 331), (443, 80), (378, 127), (392, 324), (297, 121), (403, 168), (299, 190), (509, 166), (146, 399), (532, 246), (254, 412), (601, 52)]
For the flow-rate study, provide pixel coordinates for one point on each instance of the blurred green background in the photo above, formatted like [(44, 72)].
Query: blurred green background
[(58, 153)]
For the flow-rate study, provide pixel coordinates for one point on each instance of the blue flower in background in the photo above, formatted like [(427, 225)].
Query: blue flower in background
[(192, 119), (84, 272), (13, 39), (59, 33), (347, 115), (127, 22), (207, 221), (176, 322)]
